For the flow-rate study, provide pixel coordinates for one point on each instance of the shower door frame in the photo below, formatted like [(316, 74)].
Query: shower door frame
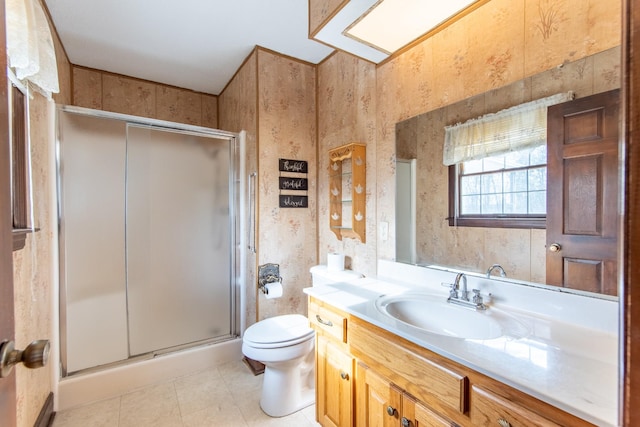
[(237, 247)]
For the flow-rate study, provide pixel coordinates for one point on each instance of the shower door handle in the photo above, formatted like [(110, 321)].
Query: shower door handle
[(251, 238)]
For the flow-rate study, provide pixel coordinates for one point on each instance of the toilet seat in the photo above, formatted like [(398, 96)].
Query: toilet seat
[(279, 331)]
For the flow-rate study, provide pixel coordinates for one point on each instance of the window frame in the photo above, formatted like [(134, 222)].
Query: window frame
[(487, 221), (18, 100)]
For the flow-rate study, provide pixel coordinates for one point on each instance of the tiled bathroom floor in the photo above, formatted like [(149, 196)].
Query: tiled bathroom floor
[(226, 396)]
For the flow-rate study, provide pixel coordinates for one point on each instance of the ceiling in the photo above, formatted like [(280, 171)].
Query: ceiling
[(193, 44)]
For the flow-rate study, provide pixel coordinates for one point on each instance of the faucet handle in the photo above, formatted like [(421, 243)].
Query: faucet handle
[(453, 291), (477, 298)]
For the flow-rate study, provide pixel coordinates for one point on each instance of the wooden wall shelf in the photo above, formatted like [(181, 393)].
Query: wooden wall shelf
[(348, 191)]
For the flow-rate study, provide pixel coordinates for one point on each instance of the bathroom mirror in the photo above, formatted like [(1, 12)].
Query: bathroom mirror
[(424, 235)]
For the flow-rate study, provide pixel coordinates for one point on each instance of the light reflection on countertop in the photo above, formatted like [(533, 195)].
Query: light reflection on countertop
[(561, 363)]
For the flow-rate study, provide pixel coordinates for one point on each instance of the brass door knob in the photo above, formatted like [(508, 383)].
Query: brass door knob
[(555, 247), (36, 355)]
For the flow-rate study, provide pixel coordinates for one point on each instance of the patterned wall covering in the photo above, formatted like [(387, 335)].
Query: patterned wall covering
[(320, 11), (346, 113), (120, 94), (269, 97), (33, 265), (286, 129), (502, 42), (238, 111), (520, 251)]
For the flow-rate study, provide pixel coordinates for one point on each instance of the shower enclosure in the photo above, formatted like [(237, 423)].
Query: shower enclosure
[(148, 237)]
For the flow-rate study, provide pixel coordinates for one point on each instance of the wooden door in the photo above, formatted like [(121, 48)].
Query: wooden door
[(582, 193), (7, 385), (334, 385)]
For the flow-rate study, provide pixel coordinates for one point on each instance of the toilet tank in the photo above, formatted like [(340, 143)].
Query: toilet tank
[(321, 275)]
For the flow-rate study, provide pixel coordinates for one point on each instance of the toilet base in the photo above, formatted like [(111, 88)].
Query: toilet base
[(288, 387)]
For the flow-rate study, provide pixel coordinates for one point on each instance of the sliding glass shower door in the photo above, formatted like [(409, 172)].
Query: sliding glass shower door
[(147, 237), (178, 238)]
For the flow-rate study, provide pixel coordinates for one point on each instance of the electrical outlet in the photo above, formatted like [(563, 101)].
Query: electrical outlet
[(384, 231)]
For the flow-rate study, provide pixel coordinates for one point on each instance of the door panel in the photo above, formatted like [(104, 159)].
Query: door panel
[(582, 195)]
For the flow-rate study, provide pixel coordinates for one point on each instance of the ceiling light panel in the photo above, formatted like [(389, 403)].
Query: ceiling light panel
[(392, 24)]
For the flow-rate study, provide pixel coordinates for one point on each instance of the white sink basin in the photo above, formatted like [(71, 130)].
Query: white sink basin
[(432, 313)]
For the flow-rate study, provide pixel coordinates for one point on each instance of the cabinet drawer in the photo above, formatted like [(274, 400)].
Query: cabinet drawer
[(489, 409), (328, 321), (439, 387)]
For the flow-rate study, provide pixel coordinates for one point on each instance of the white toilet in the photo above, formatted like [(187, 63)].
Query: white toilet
[(285, 344)]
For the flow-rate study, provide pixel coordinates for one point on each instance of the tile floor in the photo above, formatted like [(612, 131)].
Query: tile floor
[(225, 396)]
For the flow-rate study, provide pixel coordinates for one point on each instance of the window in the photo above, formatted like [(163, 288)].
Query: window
[(508, 190), (18, 108), (497, 167)]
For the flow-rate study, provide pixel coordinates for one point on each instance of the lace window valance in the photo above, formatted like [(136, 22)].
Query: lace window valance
[(30, 48), (515, 128)]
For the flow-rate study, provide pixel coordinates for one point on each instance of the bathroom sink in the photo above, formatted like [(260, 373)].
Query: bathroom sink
[(433, 314)]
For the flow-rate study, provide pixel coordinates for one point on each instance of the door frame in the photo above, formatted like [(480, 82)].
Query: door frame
[(629, 277), (7, 320)]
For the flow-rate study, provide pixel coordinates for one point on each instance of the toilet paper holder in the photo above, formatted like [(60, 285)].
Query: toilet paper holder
[(268, 273)]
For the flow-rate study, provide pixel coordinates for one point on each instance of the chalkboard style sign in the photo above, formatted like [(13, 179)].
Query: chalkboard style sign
[(297, 166), (288, 183), (292, 201)]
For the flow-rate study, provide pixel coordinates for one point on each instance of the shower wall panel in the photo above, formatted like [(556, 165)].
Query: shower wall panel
[(92, 189)]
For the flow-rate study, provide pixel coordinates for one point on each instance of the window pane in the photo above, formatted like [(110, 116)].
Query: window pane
[(472, 166), (515, 203), (538, 156), (491, 183), (517, 159), (515, 181), (538, 202), (470, 205), (538, 179), (470, 184), (493, 163), (492, 204)]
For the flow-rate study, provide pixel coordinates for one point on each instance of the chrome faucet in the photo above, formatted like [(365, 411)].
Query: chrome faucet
[(458, 294), (463, 292), (496, 267)]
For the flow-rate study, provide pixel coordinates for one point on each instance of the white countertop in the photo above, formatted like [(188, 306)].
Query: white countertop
[(565, 364)]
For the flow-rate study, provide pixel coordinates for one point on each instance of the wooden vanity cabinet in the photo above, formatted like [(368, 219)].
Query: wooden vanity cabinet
[(334, 367), (367, 376)]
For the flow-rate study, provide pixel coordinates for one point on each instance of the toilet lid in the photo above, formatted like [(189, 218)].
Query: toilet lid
[(278, 331)]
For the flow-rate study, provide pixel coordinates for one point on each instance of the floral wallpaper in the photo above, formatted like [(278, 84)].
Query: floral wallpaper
[(286, 129), (120, 94), (33, 267), (238, 111), (521, 252), (346, 113), (541, 45)]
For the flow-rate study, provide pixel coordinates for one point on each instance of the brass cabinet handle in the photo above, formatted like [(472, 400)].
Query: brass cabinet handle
[(344, 375), (323, 322), (504, 423), (391, 411)]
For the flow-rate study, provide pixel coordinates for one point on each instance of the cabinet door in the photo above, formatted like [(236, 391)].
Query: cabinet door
[(378, 402), (421, 416), (334, 385)]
